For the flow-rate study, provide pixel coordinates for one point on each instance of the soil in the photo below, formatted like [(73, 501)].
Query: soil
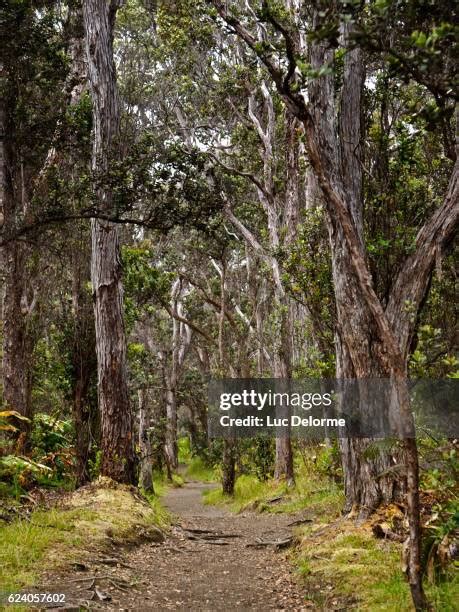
[(210, 561)]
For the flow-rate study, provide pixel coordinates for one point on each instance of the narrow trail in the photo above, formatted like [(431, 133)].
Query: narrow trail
[(207, 563)]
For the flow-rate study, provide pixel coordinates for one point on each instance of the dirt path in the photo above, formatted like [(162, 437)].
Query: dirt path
[(189, 571)]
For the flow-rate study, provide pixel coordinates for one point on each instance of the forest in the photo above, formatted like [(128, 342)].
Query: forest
[(198, 193)]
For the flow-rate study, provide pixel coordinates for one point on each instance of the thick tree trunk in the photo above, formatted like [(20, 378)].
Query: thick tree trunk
[(117, 444), (146, 451), (16, 392), (357, 345), (17, 359), (368, 345)]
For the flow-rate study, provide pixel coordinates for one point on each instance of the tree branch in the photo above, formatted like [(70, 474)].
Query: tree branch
[(411, 284)]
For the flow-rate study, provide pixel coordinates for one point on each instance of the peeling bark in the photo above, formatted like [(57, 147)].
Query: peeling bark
[(17, 343), (117, 443)]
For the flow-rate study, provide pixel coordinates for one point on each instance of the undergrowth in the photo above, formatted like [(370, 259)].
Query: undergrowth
[(87, 521), (341, 563)]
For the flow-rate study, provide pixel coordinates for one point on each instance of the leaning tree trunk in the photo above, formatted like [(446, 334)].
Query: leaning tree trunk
[(386, 337), (369, 344), (117, 424), (356, 343)]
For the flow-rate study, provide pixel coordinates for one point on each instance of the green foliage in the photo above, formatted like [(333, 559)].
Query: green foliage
[(258, 457), (18, 473), (198, 469), (247, 490), (307, 275), (441, 469), (145, 285), (51, 463), (184, 450), (50, 434), (53, 375), (95, 463), (328, 461)]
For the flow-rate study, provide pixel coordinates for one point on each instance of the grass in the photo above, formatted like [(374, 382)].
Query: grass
[(342, 564), (24, 543), (197, 469), (92, 517), (248, 490), (311, 491), (161, 484)]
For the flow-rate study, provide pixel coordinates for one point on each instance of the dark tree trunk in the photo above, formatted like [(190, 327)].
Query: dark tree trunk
[(84, 364), (229, 466), (146, 451), (82, 420), (17, 359), (84, 360), (117, 443)]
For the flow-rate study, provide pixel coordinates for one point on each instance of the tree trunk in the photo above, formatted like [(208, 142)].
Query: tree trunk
[(146, 451), (16, 392), (386, 332), (369, 345), (82, 420), (181, 338), (229, 466), (171, 446), (16, 356), (283, 370), (283, 358), (84, 364), (117, 443), (356, 343), (84, 345)]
